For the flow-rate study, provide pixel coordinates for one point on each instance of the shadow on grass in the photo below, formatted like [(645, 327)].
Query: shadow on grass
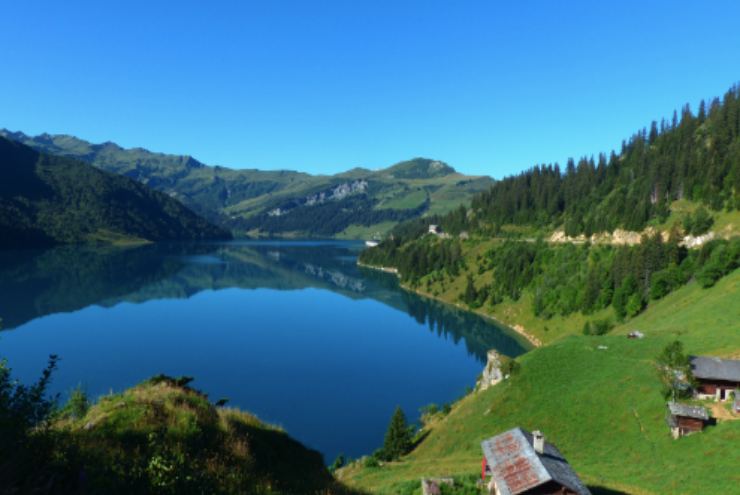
[(600, 490)]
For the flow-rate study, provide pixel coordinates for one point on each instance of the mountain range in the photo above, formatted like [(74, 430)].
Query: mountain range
[(48, 199), (353, 204)]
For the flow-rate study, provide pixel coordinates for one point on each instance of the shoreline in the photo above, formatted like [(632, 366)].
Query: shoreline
[(516, 328)]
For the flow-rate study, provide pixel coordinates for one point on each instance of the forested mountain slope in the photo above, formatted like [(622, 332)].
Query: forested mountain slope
[(47, 199), (356, 203), (692, 156), (502, 268)]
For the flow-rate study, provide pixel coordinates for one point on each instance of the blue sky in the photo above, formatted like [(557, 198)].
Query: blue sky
[(322, 86)]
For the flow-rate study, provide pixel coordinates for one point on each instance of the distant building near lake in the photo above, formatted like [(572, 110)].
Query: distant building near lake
[(684, 419), (435, 229), (523, 463), (716, 378)]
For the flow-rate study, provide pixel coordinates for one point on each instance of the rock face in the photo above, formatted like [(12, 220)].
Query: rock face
[(433, 486), (629, 238), (492, 372)]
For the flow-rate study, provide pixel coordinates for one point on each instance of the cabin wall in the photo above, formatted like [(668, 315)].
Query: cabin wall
[(716, 388), (690, 424)]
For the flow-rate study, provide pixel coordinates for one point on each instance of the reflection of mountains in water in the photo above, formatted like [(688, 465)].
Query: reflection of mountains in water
[(37, 283)]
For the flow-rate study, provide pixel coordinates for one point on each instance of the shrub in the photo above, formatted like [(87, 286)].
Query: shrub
[(674, 371), (78, 403), (510, 367), (597, 327), (339, 462), (699, 223)]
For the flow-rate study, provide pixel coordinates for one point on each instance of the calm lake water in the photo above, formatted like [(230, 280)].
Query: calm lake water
[(292, 331)]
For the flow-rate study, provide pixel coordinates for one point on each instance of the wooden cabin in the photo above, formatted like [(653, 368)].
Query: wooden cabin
[(522, 463), (684, 419), (716, 378)]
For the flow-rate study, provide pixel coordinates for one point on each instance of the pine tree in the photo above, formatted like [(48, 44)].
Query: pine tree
[(398, 438)]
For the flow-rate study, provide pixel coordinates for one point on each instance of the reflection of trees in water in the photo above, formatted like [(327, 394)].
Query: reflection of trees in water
[(37, 283), (449, 322)]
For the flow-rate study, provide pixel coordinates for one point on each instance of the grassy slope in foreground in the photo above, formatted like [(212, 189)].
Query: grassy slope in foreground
[(602, 408), (164, 437)]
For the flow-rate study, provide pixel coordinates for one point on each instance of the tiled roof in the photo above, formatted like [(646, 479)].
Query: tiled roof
[(517, 467), (688, 411), (715, 368)]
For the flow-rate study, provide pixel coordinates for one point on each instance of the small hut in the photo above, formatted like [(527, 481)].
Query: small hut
[(716, 378), (684, 419), (523, 463)]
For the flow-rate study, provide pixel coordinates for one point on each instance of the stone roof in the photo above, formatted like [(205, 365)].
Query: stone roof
[(688, 411), (516, 467), (712, 368)]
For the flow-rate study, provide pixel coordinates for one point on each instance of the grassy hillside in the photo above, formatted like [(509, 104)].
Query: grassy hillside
[(602, 408), (358, 202), (165, 437), (47, 199)]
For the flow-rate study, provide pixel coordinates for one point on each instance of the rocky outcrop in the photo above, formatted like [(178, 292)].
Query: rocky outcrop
[(433, 486), (492, 373), (627, 238)]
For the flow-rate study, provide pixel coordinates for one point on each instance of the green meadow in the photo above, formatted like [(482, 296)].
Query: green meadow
[(603, 408)]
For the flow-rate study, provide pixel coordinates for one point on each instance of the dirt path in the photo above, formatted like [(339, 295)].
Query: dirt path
[(721, 413)]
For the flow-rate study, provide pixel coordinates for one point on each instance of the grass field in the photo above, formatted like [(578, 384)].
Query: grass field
[(602, 408)]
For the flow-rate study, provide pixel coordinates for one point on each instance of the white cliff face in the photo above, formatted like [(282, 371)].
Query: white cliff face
[(337, 193), (629, 238), (492, 372)]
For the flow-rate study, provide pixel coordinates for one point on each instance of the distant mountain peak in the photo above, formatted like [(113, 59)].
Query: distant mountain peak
[(419, 168)]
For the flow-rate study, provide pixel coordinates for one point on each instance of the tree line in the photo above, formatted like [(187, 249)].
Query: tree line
[(562, 278), (694, 156)]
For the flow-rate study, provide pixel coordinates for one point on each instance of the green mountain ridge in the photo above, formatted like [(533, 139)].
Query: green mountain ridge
[(47, 199), (283, 202), (694, 156)]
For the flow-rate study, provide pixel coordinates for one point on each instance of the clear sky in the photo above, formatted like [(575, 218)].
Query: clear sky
[(490, 87)]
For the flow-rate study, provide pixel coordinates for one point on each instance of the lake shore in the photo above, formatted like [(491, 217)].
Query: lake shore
[(515, 327)]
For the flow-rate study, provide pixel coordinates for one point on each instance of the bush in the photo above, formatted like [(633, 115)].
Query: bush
[(664, 281), (339, 462), (597, 327), (674, 370), (78, 403), (510, 367), (699, 223), (24, 439)]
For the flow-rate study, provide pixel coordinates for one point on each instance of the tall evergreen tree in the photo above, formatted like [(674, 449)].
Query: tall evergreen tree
[(398, 438)]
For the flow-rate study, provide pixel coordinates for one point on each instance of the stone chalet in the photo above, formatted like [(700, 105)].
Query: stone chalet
[(523, 463), (684, 419), (716, 378)]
